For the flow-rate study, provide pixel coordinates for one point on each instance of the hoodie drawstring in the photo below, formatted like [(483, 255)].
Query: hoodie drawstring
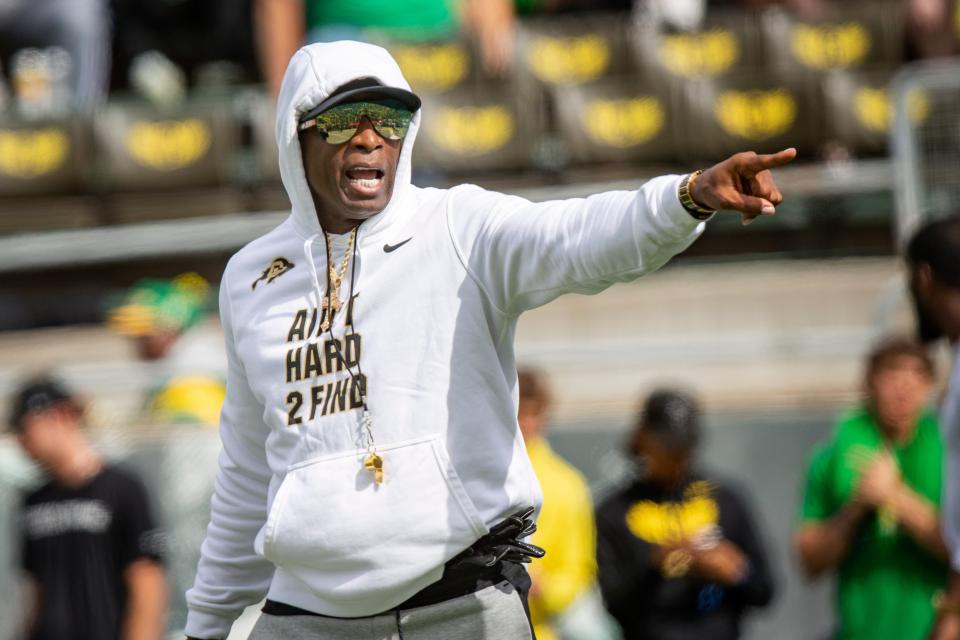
[(366, 423), (308, 253)]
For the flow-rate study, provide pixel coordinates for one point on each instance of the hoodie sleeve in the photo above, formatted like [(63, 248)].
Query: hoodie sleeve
[(950, 432), (525, 254), (231, 575)]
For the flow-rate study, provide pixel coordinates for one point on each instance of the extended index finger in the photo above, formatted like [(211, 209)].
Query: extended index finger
[(770, 160)]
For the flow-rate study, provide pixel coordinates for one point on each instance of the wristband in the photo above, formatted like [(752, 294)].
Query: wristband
[(683, 192)]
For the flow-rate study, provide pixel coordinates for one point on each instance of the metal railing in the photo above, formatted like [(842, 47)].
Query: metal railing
[(925, 141)]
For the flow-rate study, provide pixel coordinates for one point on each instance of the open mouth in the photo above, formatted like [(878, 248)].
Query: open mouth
[(365, 177)]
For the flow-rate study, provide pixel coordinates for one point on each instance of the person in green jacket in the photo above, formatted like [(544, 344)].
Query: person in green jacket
[(870, 509), (282, 26)]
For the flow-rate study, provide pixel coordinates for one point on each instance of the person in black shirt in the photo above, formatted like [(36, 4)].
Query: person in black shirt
[(91, 549), (678, 554)]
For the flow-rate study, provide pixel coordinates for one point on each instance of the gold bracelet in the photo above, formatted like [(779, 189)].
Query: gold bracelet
[(683, 192)]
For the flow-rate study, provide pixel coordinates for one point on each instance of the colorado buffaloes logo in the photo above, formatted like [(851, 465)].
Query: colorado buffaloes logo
[(569, 60), (32, 153), (277, 268), (755, 115), (830, 46), (623, 123), (874, 110), (472, 131), (168, 145), (433, 68), (710, 53)]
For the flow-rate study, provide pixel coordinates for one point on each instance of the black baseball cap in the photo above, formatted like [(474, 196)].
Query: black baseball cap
[(363, 89), (672, 417), (38, 394)]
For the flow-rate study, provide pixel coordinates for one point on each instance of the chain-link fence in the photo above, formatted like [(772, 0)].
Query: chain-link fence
[(926, 143)]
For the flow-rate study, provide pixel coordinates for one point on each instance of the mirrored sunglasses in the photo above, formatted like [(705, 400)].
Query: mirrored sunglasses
[(336, 125)]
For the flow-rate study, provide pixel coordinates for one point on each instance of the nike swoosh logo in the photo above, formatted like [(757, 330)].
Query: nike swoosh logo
[(388, 248)]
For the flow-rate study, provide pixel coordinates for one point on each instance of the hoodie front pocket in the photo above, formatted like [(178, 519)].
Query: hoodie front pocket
[(345, 536)]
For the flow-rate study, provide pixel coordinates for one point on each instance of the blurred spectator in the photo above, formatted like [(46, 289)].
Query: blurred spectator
[(56, 53), (933, 27), (91, 549), (563, 600), (935, 288), (159, 316), (282, 26), (679, 553), (869, 511)]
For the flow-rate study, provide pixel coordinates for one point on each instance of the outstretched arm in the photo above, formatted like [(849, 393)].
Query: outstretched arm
[(524, 254)]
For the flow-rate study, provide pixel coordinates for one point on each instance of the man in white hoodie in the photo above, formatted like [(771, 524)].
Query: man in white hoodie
[(373, 482)]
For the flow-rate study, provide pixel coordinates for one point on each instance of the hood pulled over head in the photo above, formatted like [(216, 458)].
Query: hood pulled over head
[(314, 73)]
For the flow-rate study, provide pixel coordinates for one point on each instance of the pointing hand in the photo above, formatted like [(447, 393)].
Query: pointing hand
[(743, 182)]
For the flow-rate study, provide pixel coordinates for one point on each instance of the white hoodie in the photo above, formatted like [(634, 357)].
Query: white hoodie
[(295, 516), (950, 428)]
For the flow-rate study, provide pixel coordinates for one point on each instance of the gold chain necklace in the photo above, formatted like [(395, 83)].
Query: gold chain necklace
[(373, 461), (331, 304)]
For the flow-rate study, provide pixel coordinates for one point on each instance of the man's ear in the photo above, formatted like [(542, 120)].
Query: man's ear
[(925, 278), (923, 284)]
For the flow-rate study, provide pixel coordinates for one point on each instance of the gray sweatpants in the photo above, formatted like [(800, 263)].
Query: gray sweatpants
[(493, 613)]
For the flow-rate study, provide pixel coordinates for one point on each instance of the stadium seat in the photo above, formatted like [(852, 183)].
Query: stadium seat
[(718, 117), (727, 43), (572, 49), (852, 35), (44, 158), (174, 164), (482, 128), (143, 149), (436, 67), (859, 111), (616, 119)]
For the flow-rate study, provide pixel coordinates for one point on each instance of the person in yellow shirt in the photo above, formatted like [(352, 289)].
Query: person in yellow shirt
[(565, 528)]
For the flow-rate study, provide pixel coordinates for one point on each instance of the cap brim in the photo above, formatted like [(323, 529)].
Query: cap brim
[(407, 98)]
